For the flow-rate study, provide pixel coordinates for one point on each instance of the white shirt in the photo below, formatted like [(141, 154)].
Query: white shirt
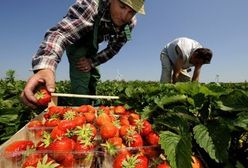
[(186, 45)]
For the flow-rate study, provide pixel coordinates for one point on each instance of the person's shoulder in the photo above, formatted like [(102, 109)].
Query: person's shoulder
[(86, 6), (88, 2)]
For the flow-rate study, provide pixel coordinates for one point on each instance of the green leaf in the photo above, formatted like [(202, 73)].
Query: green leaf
[(193, 88), (199, 99), (215, 87), (235, 100), (220, 105), (177, 149), (161, 102), (203, 138), (8, 118), (214, 138), (6, 104), (169, 141), (242, 120), (147, 111)]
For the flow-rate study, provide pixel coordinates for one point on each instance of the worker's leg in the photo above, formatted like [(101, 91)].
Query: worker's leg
[(166, 68)]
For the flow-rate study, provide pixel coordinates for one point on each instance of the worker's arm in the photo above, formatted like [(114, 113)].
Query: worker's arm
[(196, 74)]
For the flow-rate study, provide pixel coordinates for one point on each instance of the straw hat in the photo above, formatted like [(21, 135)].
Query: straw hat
[(137, 5)]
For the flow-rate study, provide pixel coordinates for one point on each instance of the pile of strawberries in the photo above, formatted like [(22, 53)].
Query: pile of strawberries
[(82, 136), (127, 139)]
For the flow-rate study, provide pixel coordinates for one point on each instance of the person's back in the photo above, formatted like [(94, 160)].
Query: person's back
[(178, 56), (186, 45)]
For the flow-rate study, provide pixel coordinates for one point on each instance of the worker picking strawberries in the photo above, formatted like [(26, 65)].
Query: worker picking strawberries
[(87, 23)]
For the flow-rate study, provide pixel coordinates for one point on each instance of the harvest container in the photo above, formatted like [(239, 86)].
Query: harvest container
[(26, 133), (99, 157), (92, 159), (86, 160)]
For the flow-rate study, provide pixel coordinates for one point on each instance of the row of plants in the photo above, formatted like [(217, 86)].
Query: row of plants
[(207, 120), (13, 114)]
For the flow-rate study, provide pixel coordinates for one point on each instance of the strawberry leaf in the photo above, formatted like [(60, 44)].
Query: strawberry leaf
[(214, 138), (177, 149)]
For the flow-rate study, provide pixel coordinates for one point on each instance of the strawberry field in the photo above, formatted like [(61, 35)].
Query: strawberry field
[(209, 121)]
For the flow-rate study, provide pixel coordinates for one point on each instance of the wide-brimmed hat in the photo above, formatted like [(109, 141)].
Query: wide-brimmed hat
[(137, 5)]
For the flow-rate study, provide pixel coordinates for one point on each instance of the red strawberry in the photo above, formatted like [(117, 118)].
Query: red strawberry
[(69, 161), (108, 130), (142, 162), (90, 117), (146, 128), (32, 160), (14, 149), (116, 141), (36, 160), (79, 120), (152, 138), (102, 118), (53, 122), (82, 109), (124, 120), (119, 109), (127, 160), (105, 109), (43, 96), (82, 149), (120, 158), (35, 124), (66, 125), (61, 148), (91, 109), (42, 146), (55, 112), (133, 118), (126, 129), (134, 140), (57, 133)]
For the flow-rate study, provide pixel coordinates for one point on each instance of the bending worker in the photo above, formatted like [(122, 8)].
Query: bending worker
[(177, 58)]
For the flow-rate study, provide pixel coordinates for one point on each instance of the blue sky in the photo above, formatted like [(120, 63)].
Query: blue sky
[(217, 24)]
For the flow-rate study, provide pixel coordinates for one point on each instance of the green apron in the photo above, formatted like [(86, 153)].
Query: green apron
[(84, 82)]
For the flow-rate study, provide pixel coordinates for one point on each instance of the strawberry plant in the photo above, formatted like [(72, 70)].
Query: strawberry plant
[(13, 114), (205, 120)]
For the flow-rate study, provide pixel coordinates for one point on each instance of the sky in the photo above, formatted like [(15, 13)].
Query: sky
[(220, 25)]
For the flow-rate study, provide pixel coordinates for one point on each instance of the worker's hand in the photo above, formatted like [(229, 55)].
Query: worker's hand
[(84, 64), (45, 77)]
